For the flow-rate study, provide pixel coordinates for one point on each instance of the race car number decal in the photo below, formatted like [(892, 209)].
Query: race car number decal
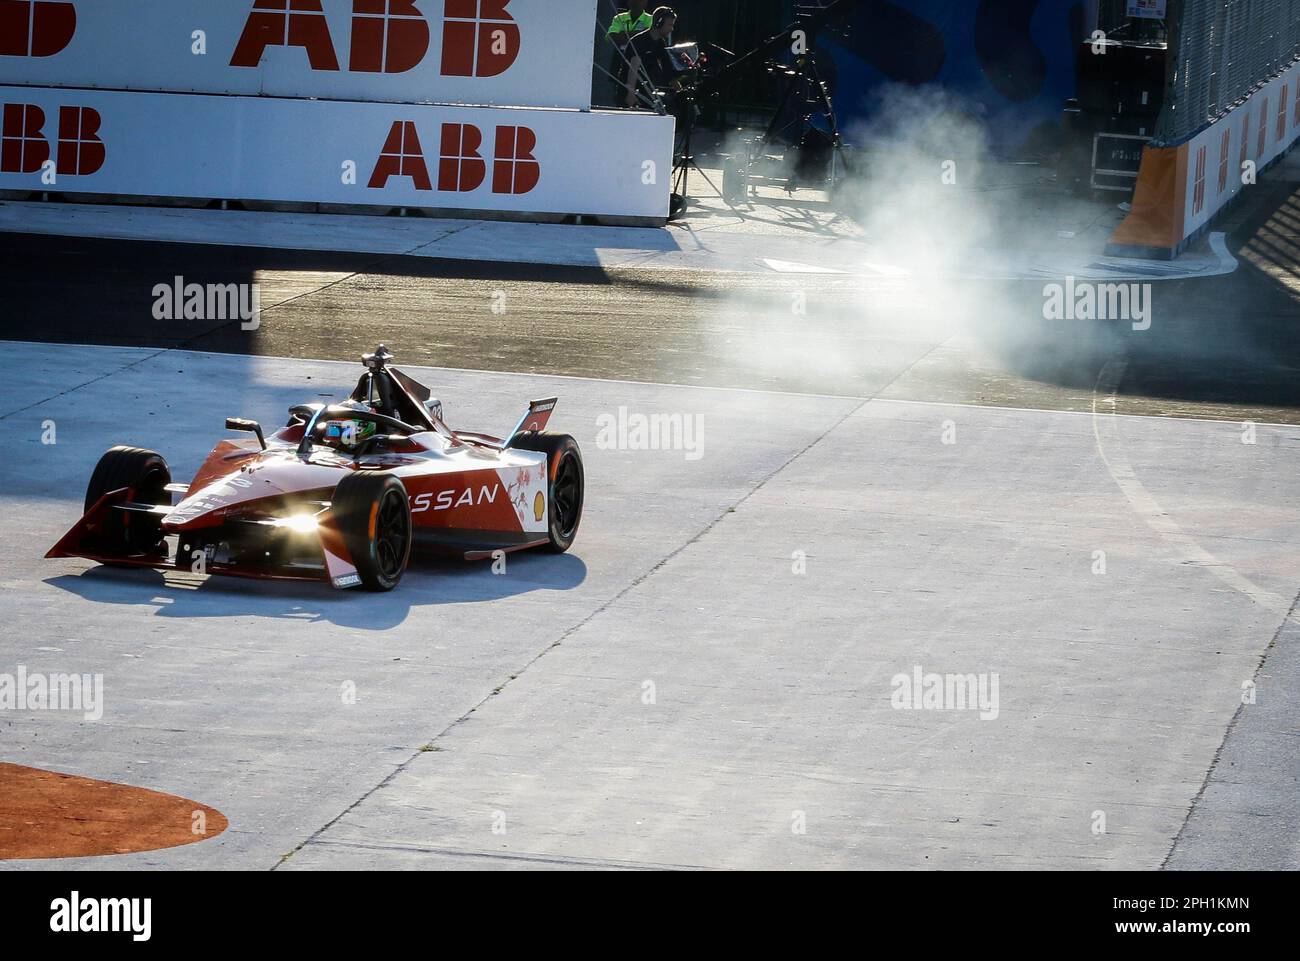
[(209, 499)]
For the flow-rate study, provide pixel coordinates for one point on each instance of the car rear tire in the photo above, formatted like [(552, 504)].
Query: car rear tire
[(373, 514), (566, 483), (145, 474)]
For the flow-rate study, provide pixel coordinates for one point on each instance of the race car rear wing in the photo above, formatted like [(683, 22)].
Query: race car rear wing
[(535, 418)]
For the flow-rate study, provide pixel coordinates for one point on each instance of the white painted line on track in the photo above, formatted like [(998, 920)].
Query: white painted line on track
[(1146, 506), (1219, 244)]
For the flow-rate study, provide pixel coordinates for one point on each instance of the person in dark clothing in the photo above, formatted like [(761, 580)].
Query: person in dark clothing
[(648, 52)]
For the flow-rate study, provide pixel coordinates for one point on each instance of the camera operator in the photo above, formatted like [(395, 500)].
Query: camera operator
[(648, 52)]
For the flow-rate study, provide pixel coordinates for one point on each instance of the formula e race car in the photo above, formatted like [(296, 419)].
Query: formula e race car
[(343, 492)]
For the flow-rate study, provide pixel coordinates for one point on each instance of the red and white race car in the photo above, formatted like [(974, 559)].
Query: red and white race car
[(342, 493)]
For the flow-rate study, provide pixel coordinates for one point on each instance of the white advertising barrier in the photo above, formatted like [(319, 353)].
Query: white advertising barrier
[(1255, 132), (1181, 188), (526, 53), (616, 164)]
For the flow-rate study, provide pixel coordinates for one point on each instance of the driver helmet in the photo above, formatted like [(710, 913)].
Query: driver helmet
[(348, 433)]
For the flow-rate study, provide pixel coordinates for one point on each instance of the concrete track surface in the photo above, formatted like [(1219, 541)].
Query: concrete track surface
[(890, 477), (706, 679)]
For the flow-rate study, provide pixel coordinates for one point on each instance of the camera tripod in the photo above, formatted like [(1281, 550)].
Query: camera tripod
[(684, 159), (805, 88)]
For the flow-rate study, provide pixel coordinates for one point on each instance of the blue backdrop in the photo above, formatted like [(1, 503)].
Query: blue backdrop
[(1011, 61)]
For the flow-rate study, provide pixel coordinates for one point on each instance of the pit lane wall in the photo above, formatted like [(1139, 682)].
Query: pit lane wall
[(466, 159), (517, 53), (464, 107), (1181, 187)]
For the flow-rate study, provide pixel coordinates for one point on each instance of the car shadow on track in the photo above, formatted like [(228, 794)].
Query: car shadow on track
[(434, 581)]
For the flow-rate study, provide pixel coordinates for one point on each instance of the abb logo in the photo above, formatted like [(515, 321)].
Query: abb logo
[(36, 28), (461, 165), (24, 148), (480, 38)]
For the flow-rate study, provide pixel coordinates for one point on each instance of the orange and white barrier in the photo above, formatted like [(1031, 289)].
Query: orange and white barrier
[(1180, 188)]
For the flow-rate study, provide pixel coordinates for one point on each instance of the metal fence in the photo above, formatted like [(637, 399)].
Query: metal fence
[(1220, 50)]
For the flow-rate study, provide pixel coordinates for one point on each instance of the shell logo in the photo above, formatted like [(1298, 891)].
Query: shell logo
[(539, 506)]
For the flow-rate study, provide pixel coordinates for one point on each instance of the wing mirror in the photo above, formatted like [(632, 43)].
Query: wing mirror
[(252, 426)]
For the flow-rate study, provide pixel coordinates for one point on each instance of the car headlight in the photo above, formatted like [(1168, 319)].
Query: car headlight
[(298, 523)]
